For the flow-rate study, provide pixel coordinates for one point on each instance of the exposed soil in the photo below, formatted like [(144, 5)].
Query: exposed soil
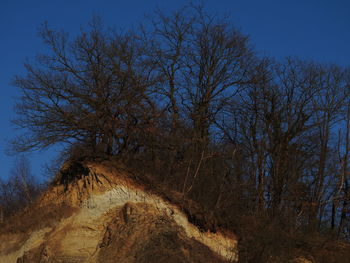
[(103, 214)]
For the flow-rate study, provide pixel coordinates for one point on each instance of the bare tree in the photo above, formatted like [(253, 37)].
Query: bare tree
[(20, 189), (23, 178), (217, 59), (91, 91)]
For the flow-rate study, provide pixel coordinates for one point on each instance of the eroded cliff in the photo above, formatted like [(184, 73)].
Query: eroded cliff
[(98, 213)]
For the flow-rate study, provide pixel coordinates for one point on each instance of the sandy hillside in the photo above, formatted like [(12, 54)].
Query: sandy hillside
[(106, 216)]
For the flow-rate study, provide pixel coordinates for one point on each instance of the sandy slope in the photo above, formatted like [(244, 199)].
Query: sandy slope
[(115, 220)]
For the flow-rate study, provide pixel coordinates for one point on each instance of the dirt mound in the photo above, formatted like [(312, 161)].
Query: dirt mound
[(113, 217)]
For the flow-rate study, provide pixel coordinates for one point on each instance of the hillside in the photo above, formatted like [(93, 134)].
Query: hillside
[(99, 213)]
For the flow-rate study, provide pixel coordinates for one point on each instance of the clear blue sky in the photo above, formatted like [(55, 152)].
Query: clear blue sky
[(318, 30)]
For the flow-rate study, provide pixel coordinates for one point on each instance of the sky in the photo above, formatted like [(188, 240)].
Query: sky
[(317, 30)]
